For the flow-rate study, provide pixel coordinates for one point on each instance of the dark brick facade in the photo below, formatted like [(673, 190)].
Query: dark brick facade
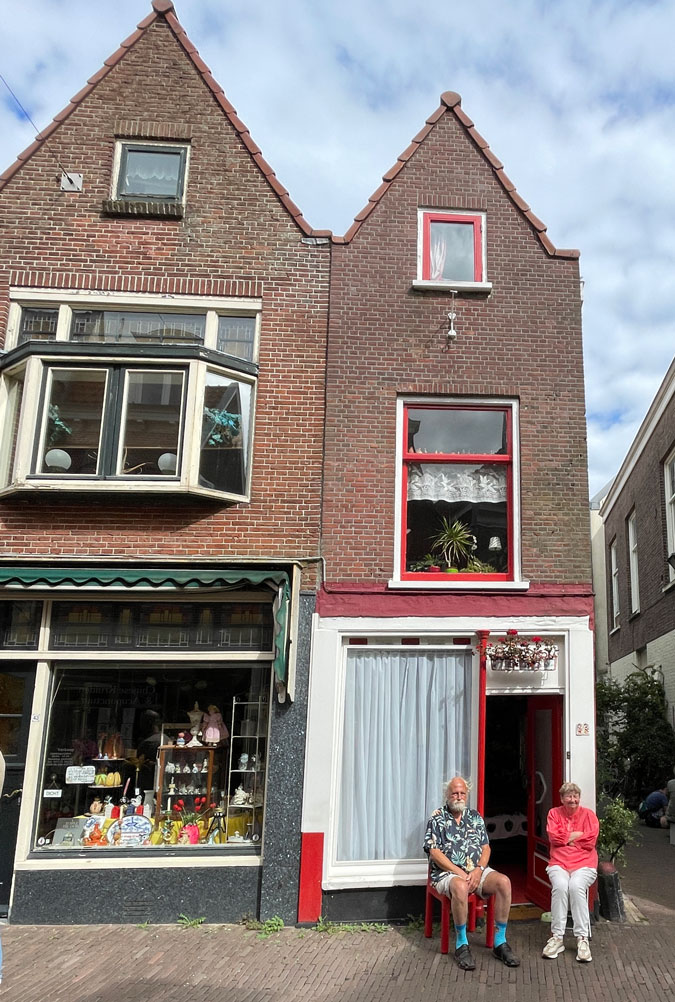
[(522, 341), (644, 493)]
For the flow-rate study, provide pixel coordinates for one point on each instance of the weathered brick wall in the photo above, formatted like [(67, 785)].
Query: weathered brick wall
[(644, 492), (523, 341), (235, 239)]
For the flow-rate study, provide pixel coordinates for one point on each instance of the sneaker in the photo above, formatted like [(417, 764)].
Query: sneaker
[(553, 948), (583, 951)]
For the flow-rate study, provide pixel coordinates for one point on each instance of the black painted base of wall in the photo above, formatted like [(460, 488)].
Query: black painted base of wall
[(386, 904), (84, 897)]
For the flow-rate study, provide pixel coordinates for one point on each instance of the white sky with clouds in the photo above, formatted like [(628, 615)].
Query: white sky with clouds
[(576, 97)]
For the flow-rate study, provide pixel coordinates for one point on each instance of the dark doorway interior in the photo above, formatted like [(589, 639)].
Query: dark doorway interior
[(506, 788)]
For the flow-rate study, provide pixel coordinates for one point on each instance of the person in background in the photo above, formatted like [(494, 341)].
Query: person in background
[(572, 869), (653, 808), (670, 809), (457, 845)]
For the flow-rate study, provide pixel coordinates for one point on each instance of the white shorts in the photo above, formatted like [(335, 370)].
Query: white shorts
[(442, 885)]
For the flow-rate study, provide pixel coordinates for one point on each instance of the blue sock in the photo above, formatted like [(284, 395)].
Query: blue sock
[(461, 940), (500, 933)]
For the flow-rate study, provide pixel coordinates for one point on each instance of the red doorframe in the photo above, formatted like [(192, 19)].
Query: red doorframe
[(545, 776)]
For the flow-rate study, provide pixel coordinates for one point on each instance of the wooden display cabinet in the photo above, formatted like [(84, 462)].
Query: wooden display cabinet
[(171, 766)]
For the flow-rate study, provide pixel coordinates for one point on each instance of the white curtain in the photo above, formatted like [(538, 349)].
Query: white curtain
[(407, 730), (457, 483)]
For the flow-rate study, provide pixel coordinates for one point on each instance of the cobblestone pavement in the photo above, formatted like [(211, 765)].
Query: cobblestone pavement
[(631, 962)]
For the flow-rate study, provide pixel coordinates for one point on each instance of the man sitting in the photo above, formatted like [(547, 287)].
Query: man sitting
[(458, 848)]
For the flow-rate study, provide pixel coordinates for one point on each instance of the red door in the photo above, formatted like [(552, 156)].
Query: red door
[(544, 770)]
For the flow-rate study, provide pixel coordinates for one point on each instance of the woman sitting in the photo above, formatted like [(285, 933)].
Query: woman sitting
[(573, 867)]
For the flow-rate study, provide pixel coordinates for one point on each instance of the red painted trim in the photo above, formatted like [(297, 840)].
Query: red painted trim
[(448, 217), (482, 709), (378, 602), (311, 869)]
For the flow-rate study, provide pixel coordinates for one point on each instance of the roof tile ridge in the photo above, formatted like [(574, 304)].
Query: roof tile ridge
[(78, 98), (242, 130), (453, 102)]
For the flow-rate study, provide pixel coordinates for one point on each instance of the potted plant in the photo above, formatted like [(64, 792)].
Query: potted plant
[(429, 562), (455, 542), (617, 828)]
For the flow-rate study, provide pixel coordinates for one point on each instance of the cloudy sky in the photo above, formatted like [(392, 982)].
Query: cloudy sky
[(576, 97)]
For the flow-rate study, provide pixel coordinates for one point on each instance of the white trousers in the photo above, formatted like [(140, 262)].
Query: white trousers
[(570, 890)]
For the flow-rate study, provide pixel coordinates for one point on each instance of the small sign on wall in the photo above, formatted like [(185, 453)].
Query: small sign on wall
[(582, 730)]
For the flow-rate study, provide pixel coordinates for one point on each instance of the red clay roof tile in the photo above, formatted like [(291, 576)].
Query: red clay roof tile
[(450, 104), (132, 39)]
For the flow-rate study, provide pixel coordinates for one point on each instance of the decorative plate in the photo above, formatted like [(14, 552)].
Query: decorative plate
[(133, 829)]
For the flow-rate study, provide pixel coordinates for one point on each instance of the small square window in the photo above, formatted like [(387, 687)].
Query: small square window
[(452, 247), (151, 173)]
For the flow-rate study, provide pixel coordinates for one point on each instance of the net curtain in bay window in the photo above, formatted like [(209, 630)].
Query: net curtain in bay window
[(407, 730)]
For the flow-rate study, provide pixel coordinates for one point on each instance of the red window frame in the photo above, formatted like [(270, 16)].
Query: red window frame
[(409, 458), (476, 221)]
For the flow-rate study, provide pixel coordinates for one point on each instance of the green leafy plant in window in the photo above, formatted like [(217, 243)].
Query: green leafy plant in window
[(57, 428), (225, 426), (455, 543)]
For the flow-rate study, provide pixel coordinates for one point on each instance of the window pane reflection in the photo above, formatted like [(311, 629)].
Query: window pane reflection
[(151, 423), (223, 461), (72, 432)]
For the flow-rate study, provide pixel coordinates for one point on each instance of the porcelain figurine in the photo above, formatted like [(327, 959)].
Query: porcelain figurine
[(180, 740), (240, 796), (213, 728), (243, 761), (96, 806), (205, 765)]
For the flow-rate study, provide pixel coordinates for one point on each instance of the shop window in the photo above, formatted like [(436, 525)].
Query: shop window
[(457, 518), (157, 755), (451, 249), (407, 729), (20, 625), (150, 172)]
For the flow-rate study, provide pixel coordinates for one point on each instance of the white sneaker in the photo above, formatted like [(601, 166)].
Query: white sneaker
[(553, 948), (583, 951)]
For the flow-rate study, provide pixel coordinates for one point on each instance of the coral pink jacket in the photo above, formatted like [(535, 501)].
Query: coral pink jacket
[(582, 851)]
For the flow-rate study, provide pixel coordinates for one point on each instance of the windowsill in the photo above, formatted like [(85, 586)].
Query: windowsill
[(124, 207), (460, 585), (669, 586), (634, 614), (97, 861), (53, 487), (615, 629), (425, 284)]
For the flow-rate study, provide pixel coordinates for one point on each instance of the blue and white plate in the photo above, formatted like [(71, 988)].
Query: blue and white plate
[(134, 829)]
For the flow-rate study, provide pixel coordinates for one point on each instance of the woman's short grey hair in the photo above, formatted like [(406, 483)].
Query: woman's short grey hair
[(569, 788)]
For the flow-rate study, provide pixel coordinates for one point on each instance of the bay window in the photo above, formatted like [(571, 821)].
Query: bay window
[(457, 513)]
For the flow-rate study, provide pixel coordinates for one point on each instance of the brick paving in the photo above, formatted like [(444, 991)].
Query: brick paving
[(632, 962)]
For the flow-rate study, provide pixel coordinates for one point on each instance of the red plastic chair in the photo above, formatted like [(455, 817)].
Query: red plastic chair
[(476, 906)]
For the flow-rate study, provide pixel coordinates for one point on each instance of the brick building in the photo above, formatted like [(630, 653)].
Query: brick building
[(454, 509), (639, 535), (163, 310)]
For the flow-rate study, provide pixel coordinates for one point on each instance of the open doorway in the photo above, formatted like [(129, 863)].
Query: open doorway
[(506, 788)]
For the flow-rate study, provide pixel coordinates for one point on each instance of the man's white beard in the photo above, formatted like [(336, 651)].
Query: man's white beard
[(457, 806)]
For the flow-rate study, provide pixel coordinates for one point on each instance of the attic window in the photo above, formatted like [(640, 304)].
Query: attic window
[(451, 251), (150, 172)]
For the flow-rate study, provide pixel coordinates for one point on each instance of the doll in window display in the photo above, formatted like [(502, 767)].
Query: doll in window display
[(213, 727)]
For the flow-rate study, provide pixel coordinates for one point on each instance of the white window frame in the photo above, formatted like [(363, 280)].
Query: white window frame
[(614, 582), (68, 300), (517, 583), (669, 487), (32, 368), (420, 282), (123, 144), (633, 563)]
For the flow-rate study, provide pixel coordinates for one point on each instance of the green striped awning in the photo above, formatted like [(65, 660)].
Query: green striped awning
[(153, 579)]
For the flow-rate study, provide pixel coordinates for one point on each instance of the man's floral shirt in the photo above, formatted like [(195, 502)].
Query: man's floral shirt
[(462, 842)]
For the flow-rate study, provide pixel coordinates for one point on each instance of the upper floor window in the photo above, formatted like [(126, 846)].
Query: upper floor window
[(614, 576), (131, 400), (633, 564), (451, 250), (150, 172), (669, 482), (215, 326), (458, 515)]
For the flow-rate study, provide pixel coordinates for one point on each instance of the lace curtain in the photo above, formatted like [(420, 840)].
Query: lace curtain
[(457, 483), (407, 731)]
